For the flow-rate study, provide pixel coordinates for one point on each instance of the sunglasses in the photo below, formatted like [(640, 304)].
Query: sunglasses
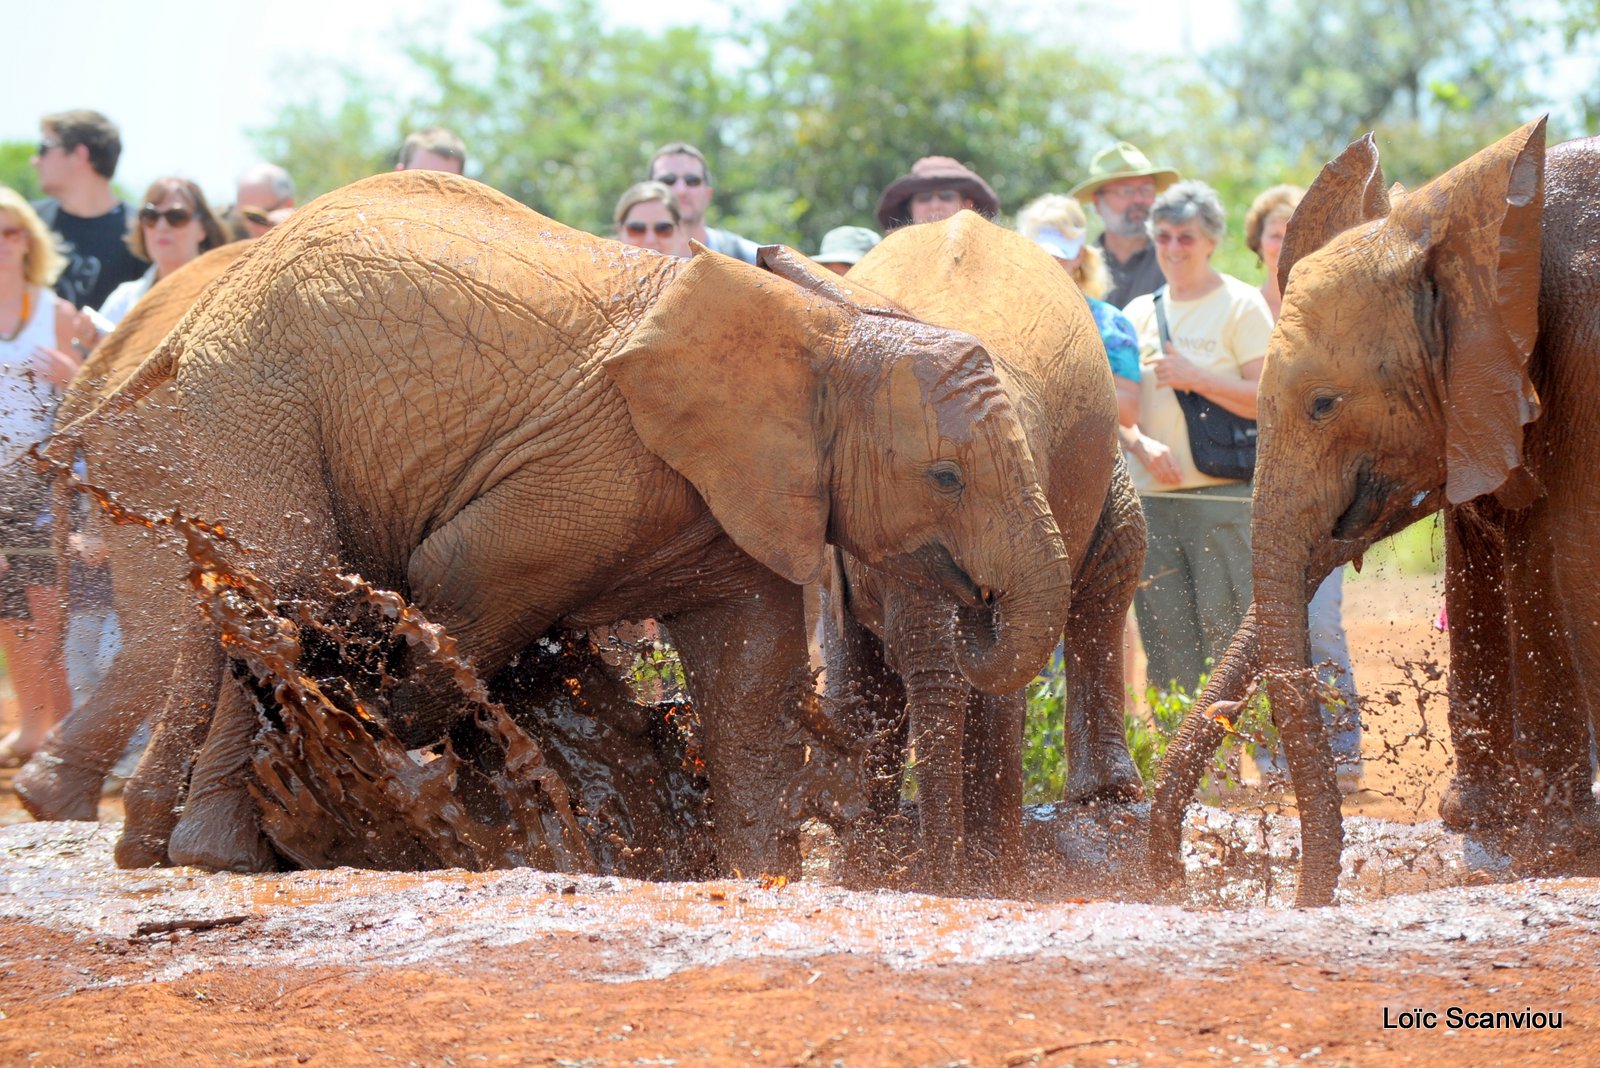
[(8, 232), (1186, 240), (46, 146), (693, 181), (947, 196), (662, 229), (175, 217)]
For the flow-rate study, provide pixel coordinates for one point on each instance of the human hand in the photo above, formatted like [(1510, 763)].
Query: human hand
[(53, 366), (1157, 459), (1174, 370)]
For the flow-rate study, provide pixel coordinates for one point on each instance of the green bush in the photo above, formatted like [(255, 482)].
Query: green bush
[(1044, 761)]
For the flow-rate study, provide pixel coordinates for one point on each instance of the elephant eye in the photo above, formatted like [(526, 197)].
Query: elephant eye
[(947, 476), (1324, 405)]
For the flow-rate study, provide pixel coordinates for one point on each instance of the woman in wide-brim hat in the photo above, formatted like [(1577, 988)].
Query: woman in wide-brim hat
[(1121, 160), (927, 175)]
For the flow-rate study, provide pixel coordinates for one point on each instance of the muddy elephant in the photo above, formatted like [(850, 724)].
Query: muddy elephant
[(63, 780), (1438, 349), (515, 424), (894, 644)]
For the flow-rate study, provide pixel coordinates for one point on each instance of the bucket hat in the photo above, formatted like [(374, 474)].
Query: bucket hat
[(928, 173), (846, 244), (1121, 160)]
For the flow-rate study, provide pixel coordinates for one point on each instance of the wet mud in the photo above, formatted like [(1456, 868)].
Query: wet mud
[(522, 966)]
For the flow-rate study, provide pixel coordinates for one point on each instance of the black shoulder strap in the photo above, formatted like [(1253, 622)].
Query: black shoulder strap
[(1161, 317)]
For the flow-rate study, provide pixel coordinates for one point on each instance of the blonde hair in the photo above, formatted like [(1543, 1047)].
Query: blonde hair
[(1053, 211), (1279, 200), (43, 263)]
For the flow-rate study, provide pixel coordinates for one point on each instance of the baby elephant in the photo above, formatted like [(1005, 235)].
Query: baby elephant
[(517, 425)]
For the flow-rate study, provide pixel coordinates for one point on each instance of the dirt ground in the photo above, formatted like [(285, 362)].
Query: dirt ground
[(343, 967)]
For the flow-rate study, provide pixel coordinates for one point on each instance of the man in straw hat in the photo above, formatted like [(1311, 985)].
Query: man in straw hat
[(936, 188), (1122, 184)]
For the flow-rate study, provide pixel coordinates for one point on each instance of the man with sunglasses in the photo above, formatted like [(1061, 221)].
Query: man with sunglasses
[(682, 168), (936, 188), (78, 152), (1122, 184)]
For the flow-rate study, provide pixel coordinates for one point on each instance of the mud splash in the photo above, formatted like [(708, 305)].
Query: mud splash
[(335, 786)]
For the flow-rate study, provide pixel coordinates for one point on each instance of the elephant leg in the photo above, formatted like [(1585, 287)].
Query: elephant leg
[(992, 797), (920, 631), (63, 780), (1479, 796), (221, 828), (494, 593), (1561, 825), (1098, 765), (861, 682), (746, 662), (154, 797)]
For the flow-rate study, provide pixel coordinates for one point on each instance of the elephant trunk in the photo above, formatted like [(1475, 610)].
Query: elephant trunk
[(1189, 755), (1004, 642), (1283, 587)]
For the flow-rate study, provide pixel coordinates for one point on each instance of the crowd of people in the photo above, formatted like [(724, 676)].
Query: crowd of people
[(1179, 335)]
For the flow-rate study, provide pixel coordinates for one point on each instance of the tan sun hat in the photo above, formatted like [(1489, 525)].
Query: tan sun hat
[(1121, 160)]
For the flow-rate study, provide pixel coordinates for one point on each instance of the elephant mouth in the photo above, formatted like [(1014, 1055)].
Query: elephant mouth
[(936, 561), (1379, 507)]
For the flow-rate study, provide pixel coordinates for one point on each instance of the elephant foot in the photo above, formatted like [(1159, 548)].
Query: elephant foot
[(139, 851), (1124, 787), (1562, 842), (52, 789), (221, 831), (1473, 808)]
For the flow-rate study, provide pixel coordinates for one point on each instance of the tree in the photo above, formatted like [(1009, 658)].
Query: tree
[(852, 92), (325, 146), (16, 168), (1432, 77), (563, 111)]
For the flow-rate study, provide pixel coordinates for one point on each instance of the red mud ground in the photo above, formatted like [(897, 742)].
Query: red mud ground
[(332, 968)]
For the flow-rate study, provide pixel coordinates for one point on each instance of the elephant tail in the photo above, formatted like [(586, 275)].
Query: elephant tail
[(158, 369)]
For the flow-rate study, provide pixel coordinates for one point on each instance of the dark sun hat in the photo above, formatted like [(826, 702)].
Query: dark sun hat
[(1121, 160), (929, 173)]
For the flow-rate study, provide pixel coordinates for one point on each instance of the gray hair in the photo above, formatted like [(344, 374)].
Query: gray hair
[(1191, 199), (271, 175)]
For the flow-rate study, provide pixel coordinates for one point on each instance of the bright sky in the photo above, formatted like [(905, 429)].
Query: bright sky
[(186, 80)]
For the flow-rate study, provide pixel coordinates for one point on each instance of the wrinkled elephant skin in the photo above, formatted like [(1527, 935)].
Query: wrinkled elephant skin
[(515, 425), (1442, 349), (901, 647), (133, 452)]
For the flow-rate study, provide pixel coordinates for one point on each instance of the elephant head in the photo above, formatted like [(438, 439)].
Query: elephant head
[(792, 402), (1398, 380)]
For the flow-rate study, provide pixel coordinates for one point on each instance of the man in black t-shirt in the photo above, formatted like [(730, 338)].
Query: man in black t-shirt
[(77, 156)]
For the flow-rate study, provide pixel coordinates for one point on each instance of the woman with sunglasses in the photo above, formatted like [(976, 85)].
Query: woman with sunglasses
[(40, 335), (174, 226), (1197, 566), (647, 216)]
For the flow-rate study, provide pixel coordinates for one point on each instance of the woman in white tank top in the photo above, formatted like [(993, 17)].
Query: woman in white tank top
[(41, 342)]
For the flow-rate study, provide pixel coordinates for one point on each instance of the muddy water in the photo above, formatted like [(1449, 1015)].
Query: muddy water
[(60, 876)]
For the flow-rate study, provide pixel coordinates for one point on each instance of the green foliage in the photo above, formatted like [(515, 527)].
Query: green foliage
[(806, 117), (16, 168), (1044, 761), (1416, 550)]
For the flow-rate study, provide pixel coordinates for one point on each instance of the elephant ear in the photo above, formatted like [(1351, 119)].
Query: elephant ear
[(1480, 227), (811, 276), (723, 381), (1347, 193)]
